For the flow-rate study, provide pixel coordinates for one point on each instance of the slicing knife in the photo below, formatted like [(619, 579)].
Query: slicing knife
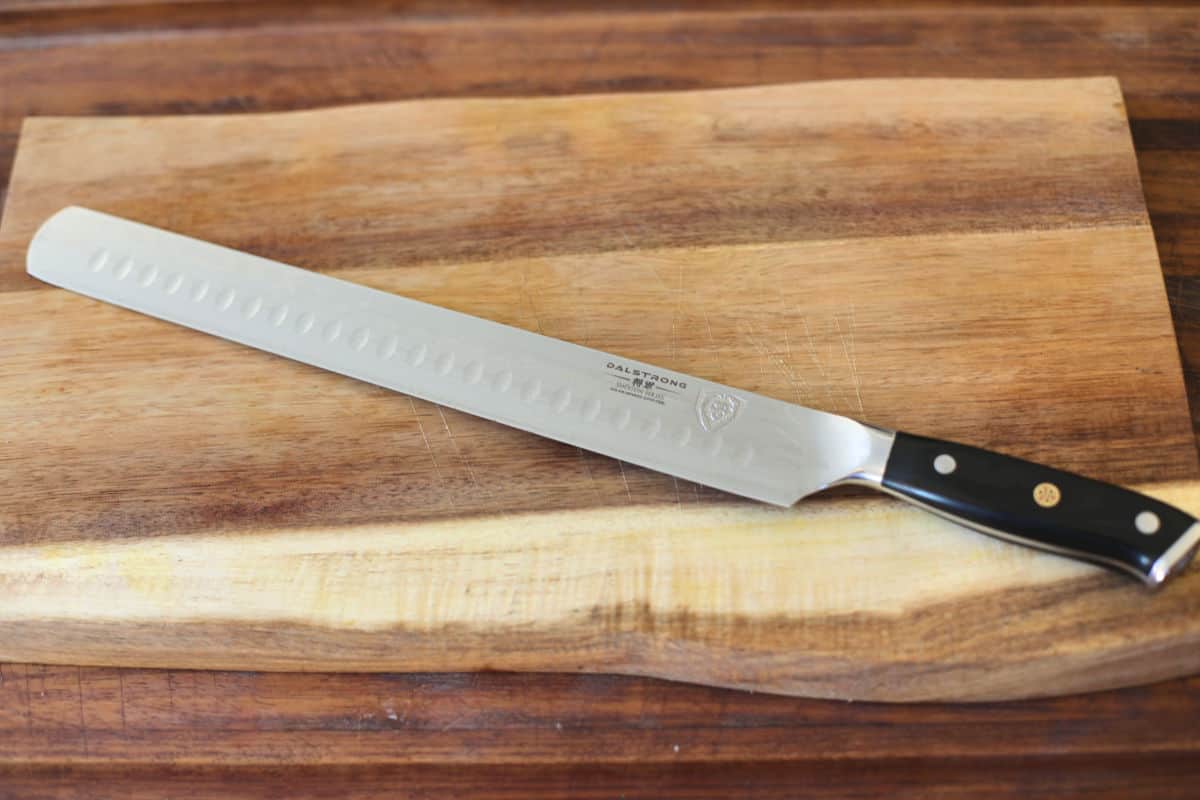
[(716, 435)]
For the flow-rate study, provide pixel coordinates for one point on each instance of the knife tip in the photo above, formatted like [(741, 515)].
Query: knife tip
[(37, 256)]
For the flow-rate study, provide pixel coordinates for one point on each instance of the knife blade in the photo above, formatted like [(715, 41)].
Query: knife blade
[(720, 436)]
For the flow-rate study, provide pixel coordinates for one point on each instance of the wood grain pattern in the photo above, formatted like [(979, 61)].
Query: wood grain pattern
[(847, 245), (492, 180), (69, 731), (312, 735), (822, 605)]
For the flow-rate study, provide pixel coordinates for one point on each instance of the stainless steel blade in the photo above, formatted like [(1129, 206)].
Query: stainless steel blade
[(733, 440)]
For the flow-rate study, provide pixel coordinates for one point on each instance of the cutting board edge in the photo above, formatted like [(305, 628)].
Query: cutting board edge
[(1109, 80)]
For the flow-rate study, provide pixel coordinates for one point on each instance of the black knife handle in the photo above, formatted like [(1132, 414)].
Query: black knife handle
[(1042, 507)]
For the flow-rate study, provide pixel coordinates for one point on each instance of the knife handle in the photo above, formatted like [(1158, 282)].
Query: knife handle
[(1042, 507)]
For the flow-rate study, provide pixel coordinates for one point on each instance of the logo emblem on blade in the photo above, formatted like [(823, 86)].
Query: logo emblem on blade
[(717, 409)]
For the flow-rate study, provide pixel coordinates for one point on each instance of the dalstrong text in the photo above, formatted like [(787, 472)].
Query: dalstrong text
[(650, 379)]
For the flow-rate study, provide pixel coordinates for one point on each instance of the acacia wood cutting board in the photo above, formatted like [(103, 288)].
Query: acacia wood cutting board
[(966, 259)]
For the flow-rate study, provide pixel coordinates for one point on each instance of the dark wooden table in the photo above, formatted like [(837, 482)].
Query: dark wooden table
[(86, 732)]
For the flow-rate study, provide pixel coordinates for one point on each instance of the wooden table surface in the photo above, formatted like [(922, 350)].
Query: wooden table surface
[(88, 732)]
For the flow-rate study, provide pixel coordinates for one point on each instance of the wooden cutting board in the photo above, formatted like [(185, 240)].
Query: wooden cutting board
[(967, 259)]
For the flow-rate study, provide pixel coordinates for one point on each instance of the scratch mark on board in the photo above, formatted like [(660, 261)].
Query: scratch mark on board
[(625, 480), (28, 702), (82, 720), (437, 468), (716, 351), (666, 286), (454, 443), (851, 355), (528, 298), (678, 497), (675, 312), (420, 427), (587, 469), (586, 318), (121, 695), (795, 382), (815, 358)]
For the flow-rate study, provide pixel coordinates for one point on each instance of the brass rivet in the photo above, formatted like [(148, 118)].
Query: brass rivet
[(1046, 495)]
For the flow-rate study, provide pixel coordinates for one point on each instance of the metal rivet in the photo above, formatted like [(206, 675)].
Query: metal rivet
[(1147, 522), (945, 464), (1046, 495)]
